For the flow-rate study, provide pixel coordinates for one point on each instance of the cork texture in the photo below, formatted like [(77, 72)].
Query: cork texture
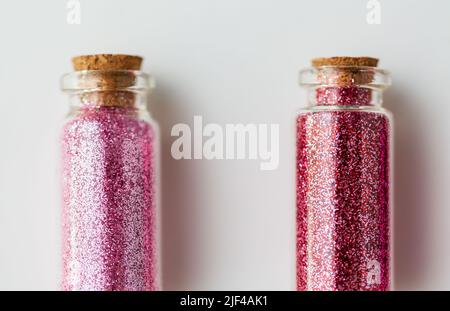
[(110, 78), (345, 71), (345, 61), (107, 62), (109, 99)]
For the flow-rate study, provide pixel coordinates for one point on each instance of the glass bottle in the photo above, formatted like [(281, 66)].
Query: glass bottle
[(109, 177), (343, 177)]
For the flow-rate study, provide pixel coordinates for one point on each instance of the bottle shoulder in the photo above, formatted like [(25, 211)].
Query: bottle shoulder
[(109, 112), (346, 109), (109, 120), (333, 114)]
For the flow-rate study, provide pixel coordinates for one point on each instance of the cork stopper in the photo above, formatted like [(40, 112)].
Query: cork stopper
[(345, 71), (345, 61), (112, 75), (107, 62)]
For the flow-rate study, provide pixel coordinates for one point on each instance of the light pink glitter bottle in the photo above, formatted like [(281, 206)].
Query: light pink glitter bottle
[(343, 178), (109, 177)]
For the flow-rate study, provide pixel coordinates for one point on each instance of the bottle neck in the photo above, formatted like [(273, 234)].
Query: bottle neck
[(345, 96), (121, 89), (344, 86), (118, 99)]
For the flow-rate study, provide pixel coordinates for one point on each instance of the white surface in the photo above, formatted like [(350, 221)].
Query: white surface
[(227, 225)]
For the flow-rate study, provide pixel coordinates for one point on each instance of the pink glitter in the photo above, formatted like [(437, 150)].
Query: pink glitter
[(108, 201), (343, 227)]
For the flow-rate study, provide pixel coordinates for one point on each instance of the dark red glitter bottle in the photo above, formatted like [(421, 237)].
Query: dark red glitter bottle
[(343, 178)]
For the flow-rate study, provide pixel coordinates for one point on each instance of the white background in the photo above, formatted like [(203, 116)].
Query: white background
[(226, 224)]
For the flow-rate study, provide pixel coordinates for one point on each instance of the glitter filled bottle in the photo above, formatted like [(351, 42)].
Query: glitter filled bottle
[(109, 143), (343, 178)]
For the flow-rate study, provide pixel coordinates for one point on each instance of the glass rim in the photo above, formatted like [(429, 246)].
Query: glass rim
[(309, 77), (106, 80)]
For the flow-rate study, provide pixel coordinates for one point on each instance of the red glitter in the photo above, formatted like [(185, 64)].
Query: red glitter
[(343, 227), (343, 96)]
